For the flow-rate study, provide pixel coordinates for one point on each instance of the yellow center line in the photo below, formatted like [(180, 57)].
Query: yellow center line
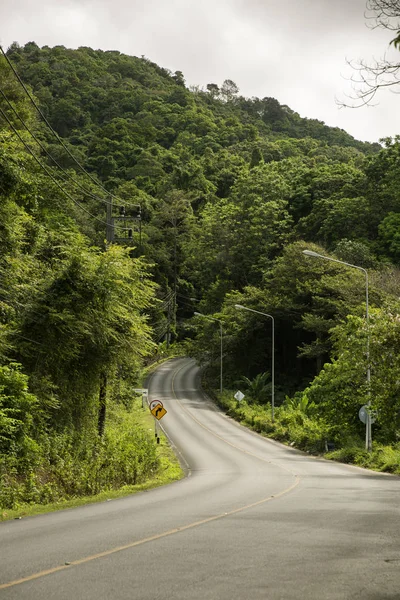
[(223, 439), (152, 538), (164, 534)]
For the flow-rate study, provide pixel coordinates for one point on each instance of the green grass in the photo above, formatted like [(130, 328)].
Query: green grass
[(294, 428), (169, 470), (385, 459)]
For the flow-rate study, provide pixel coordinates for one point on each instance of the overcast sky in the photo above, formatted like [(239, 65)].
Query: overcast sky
[(292, 50)]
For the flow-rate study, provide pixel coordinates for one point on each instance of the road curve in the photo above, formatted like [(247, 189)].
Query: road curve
[(252, 520)]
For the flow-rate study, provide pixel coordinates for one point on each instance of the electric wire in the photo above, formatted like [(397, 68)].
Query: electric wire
[(188, 297), (69, 177), (167, 296), (48, 173), (55, 134), (159, 331), (165, 332), (11, 304), (25, 338), (167, 301)]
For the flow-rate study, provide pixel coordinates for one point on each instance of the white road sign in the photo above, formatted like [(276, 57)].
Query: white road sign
[(363, 415), (143, 391)]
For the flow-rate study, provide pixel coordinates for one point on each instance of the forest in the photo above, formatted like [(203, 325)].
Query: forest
[(128, 202)]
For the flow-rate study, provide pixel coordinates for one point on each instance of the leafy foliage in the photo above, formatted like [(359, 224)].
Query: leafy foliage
[(231, 191), (257, 389), (17, 407)]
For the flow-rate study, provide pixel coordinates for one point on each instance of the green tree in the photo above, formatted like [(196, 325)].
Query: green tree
[(239, 236), (228, 90), (389, 236), (17, 408), (258, 390), (341, 388), (90, 321)]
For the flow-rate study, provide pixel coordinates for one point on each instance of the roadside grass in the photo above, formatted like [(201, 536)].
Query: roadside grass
[(295, 428), (169, 470), (385, 459)]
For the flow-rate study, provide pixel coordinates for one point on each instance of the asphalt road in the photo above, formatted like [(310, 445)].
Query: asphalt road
[(252, 520)]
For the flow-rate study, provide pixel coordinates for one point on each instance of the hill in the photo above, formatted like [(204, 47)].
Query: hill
[(211, 198)]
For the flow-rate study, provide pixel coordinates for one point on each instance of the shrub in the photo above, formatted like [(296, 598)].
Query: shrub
[(16, 410), (64, 465)]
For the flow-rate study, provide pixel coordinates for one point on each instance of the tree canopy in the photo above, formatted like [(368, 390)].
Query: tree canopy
[(213, 197)]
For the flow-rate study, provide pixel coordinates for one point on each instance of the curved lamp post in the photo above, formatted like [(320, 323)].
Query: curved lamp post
[(240, 307), (221, 333), (368, 428)]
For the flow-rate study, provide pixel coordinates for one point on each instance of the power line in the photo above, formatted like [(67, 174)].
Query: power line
[(55, 134), (42, 166), (11, 302), (168, 295), (88, 192), (167, 301), (165, 332), (46, 120), (12, 333)]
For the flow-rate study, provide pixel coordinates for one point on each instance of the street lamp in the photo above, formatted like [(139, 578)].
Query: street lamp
[(240, 307), (368, 428), (221, 333)]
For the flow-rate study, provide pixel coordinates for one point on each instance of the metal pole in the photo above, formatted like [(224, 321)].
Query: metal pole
[(368, 428), (368, 435), (221, 335), (239, 306), (273, 371), (220, 387)]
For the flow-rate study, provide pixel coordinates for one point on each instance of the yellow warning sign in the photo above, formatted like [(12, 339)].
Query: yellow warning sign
[(158, 412)]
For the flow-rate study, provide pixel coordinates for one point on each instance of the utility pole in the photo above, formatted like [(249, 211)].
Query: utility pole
[(175, 283), (168, 323), (111, 237), (140, 228), (102, 410), (110, 224), (123, 227)]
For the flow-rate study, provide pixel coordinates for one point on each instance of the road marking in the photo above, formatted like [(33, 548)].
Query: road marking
[(297, 477), (87, 559)]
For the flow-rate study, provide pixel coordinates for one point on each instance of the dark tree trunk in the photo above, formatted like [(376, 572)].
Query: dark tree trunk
[(102, 404)]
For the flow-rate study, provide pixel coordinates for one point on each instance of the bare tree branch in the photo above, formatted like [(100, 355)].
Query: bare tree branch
[(369, 78), (384, 13)]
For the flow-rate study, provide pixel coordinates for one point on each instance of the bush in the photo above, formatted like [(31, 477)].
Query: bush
[(292, 424), (386, 459), (64, 466), (16, 409), (349, 455)]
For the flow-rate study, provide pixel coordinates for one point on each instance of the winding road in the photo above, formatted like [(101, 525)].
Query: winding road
[(253, 520)]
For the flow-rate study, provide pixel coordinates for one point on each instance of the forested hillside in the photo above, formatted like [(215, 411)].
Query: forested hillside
[(210, 199)]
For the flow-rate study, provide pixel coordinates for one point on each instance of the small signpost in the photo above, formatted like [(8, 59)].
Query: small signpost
[(363, 415), (158, 411), (239, 396), (144, 392)]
